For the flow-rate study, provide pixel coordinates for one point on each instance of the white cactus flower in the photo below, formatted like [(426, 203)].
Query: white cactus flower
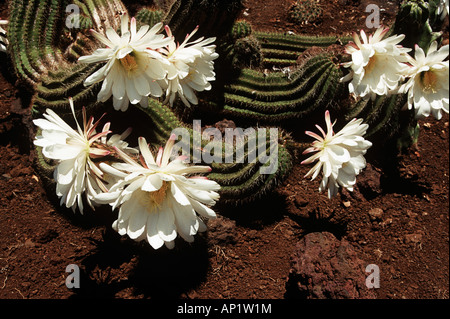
[(340, 155), (377, 64), (133, 64), (157, 200), (428, 83), (74, 150), (191, 68)]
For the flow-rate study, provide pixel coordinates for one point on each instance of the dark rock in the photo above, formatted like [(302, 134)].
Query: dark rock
[(324, 267)]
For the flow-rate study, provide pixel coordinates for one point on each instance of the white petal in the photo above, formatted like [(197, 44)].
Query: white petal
[(152, 231), (166, 223), (152, 183), (137, 222), (179, 196)]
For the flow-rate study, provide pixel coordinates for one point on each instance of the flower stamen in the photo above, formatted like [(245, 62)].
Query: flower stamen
[(428, 79), (371, 64), (129, 63), (154, 199)]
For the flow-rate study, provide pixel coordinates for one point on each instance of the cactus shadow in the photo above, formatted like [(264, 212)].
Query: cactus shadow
[(122, 268), (256, 215)]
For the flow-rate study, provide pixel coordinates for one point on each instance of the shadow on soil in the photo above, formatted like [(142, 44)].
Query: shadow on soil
[(119, 264)]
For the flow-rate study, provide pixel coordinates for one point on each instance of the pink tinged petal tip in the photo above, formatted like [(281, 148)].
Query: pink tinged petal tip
[(310, 150), (321, 131), (97, 136), (97, 153), (168, 31), (314, 135), (159, 156), (199, 177), (142, 161)]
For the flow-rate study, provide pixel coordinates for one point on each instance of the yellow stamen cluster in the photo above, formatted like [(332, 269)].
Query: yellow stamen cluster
[(370, 65), (129, 63), (155, 199), (428, 79)]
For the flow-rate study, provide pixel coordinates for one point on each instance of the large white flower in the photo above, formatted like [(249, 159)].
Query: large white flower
[(191, 68), (3, 39), (428, 83), (133, 65), (156, 198), (76, 174), (377, 64), (340, 155)]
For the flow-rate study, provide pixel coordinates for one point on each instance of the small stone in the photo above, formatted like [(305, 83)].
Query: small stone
[(29, 243), (347, 204), (300, 201), (375, 213), (413, 238)]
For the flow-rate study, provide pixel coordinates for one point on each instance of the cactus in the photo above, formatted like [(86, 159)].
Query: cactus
[(240, 29), (53, 83), (415, 20), (240, 183), (44, 53), (282, 50), (245, 52), (149, 16), (305, 11), (277, 97)]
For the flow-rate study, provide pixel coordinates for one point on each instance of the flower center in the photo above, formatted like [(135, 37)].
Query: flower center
[(428, 79), (370, 65), (155, 199), (129, 63)]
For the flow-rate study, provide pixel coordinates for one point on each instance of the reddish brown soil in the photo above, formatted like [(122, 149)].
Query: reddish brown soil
[(247, 252)]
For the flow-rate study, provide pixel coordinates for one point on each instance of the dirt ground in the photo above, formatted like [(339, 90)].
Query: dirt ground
[(399, 222)]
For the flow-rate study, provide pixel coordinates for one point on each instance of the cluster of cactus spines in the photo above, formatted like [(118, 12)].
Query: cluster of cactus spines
[(240, 29), (277, 97), (243, 53), (281, 49), (305, 11), (37, 46), (84, 19), (239, 48), (149, 16)]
